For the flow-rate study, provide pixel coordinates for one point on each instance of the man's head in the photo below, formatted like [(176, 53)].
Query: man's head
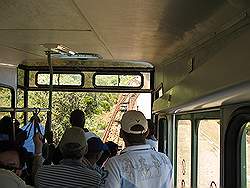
[(151, 128), (113, 148), (95, 149), (73, 144), (134, 127), (11, 156), (77, 118)]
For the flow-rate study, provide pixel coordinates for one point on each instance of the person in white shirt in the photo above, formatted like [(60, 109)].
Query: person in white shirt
[(138, 165)]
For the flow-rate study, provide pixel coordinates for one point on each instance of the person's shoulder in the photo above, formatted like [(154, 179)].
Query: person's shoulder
[(9, 178), (164, 157), (92, 172), (113, 162)]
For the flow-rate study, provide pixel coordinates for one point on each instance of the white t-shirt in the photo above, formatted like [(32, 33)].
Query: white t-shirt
[(139, 167)]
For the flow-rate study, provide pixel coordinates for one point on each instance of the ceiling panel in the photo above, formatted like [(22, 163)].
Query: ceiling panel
[(41, 14), (151, 30), (12, 56), (141, 30), (31, 41)]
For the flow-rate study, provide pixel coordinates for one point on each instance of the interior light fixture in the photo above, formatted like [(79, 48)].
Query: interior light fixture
[(63, 52), (78, 56), (59, 48)]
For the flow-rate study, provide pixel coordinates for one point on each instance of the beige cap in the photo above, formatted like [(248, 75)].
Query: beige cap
[(131, 118), (73, 135)]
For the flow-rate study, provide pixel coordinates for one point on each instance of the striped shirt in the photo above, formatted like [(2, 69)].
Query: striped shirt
[(68, 174)]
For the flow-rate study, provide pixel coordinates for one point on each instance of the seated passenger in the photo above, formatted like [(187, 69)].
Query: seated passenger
[(6, 130), (12, 158), (77, 119), (71, 172), (138, 165), (151, 140), (111, 152), (95, 150)]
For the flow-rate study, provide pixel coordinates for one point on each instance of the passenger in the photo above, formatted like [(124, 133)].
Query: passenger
[(138, 165), (77, 119), (12, 160), (113, 148), (89, 134), (111, 152), (151, 140), (95, 150), (33, 126), (6, 130), (71, 172)]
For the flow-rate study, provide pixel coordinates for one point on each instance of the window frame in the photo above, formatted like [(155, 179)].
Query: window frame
[(118, 87), (59, 86), (232, 146), (194, 117)]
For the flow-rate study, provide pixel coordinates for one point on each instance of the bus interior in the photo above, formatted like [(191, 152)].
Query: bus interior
[(190, 59)]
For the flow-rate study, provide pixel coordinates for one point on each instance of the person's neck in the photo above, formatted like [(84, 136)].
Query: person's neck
[(134, 144), (73, 161)]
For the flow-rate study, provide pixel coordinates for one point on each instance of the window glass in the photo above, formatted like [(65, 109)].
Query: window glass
[(146, 79), (5, 97), (32, 78), (208, 174), (20, 98), (103, 80), (184, 154), (20, 74), (60, 79), (38, 102)]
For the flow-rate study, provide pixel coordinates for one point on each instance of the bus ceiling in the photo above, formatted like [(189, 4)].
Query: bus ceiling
[(132, 31)]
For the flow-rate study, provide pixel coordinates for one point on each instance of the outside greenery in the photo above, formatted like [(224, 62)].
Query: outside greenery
[(97, 106)]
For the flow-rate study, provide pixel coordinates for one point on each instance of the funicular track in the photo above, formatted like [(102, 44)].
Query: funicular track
[(125, 102)]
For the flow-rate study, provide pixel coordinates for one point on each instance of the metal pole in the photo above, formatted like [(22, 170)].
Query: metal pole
[(26, 94), (50, 89)]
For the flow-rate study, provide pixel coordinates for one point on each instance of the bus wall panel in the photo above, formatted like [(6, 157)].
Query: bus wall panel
[(8, 76), (222, 63)]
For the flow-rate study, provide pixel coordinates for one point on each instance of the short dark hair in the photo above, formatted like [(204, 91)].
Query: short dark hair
[(135, 139), (72, 151), (77, 118)]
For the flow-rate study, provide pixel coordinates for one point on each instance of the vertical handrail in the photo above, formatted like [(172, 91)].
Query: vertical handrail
[(49, 113)]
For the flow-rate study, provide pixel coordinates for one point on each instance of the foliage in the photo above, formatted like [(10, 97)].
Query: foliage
[(95, 106)]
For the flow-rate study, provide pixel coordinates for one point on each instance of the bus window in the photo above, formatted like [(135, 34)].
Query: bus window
[(38, 102), (208, 172), (60, 79), (5, 97), (245, 156), (118, 80), (184, 154)]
